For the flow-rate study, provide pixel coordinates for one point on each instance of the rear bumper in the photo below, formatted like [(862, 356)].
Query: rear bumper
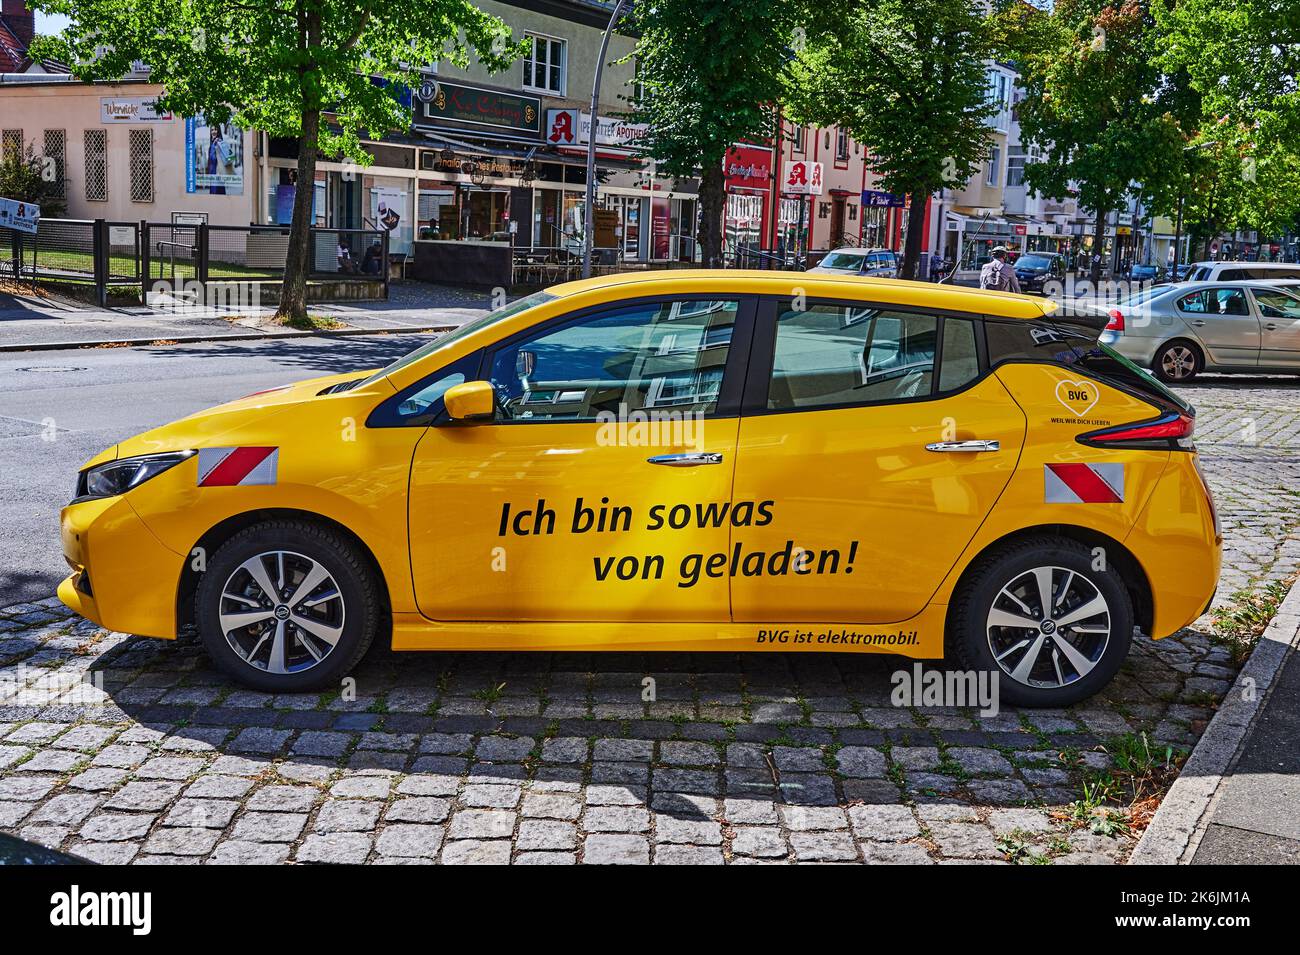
[(1136, 349), (1178, 543), (123, 578)]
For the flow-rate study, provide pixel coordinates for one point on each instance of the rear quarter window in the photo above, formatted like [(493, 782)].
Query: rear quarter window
[(1074, 346)]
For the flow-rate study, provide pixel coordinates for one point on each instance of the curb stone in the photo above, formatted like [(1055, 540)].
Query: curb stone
[(1175, 830), (241, 337)]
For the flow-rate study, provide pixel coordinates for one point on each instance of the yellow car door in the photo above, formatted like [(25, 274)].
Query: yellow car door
[(879, 444), (602, 478)]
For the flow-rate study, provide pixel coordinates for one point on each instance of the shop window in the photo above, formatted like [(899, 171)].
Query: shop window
[(544, 67), (55, 152), (96, 165), (141, 157)]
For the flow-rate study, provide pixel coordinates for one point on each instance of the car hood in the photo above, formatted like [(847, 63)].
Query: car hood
[(215, 426)]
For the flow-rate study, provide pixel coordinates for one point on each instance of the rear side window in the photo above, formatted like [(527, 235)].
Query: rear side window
[(1075, 346), (1215, 301), (829, 355)]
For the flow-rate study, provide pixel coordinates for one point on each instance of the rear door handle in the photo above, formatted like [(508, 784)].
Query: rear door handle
[(692, 459), (974, 445), (1198, 323)]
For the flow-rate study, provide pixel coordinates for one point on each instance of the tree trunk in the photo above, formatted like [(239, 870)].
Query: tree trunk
[(297, 262), (915, 227), (1098, 242), (712, 197)]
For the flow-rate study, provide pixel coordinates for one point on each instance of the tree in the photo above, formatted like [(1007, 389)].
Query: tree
[(906, 78), (712, 72), (1242, 58), (1242, 55), (326, 72), (27, 177), (1097, 105)]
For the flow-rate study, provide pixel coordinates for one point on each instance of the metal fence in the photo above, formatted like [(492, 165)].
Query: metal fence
[(120, 254)]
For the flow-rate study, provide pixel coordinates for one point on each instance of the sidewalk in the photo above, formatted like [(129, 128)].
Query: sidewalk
[(1235, 802), (29, 321)]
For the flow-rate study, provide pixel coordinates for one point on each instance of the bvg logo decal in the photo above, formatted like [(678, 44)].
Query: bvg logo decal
[(1078, 397)]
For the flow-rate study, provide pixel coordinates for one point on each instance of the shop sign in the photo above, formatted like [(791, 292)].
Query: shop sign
[(482, 107), (571, 127), (20, 216), (748, 167), (875, 199), (803, 178), (1022, 229), (118, 109)]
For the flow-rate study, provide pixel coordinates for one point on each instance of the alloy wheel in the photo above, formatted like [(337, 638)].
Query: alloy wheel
[(1178, 362), (281, 612), (1048, 627)]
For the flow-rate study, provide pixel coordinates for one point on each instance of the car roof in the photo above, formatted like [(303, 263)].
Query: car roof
[(818, 285), (1236, 264)]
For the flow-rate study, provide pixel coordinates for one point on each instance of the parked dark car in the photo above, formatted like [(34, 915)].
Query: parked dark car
[(1144, 273), (1035, 269)]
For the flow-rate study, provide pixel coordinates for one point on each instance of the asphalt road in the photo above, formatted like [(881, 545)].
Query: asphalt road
[(59, 408)]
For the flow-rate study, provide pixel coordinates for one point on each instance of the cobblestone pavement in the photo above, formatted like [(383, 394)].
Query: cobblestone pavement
[(555, 758)]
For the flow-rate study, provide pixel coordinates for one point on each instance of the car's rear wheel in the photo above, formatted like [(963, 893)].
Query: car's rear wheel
[(1049, 616), (1178, 361), (287, 606)]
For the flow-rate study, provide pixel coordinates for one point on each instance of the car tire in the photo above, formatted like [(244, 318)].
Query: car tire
[(277, 645), (1178, 361), (1006, 584)]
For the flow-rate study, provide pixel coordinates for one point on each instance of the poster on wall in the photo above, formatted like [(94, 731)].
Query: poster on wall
[(386, 206), (214, 157)]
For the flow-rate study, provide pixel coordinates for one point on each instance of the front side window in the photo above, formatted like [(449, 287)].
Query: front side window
[(828, 355), (1277, 304), (545, 65), (659, 355)]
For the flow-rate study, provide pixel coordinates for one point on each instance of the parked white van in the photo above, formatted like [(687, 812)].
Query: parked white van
[(1241, 271)]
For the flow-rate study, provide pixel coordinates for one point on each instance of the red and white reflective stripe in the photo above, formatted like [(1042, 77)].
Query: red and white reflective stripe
[(1083, 483), (228, 467)]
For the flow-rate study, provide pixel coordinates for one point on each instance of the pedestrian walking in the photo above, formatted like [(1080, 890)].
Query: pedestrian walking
[(997, 273)]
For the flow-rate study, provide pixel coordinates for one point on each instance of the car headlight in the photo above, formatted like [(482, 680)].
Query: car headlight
[(118, 477)]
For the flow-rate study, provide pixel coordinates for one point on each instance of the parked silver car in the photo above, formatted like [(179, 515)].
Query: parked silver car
[(1228, 270), (878, 263), (1183, 329)]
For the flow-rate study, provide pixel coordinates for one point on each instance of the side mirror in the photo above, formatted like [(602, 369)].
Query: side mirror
[(470, 400)]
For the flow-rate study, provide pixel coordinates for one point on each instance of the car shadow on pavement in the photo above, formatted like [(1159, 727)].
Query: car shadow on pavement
[(325, 354)]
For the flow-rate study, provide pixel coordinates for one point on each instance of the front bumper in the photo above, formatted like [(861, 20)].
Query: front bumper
[(123, 578)]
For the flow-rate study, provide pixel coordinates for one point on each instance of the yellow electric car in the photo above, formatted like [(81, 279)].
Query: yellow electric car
[(691, 460)]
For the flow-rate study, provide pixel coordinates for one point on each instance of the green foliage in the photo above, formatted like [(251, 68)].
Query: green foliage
[(712, 70), (27, 177), (1096, 103), (907, 79), (1239, 624), (265, 63)]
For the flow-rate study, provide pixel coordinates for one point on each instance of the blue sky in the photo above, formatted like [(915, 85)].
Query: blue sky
[(50, 24)]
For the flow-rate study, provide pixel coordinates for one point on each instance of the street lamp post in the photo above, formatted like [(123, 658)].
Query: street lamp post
[(589, 211)]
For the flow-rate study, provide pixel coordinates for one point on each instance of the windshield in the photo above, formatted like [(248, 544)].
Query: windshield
[(1032, 262), (846, 261), (469, 328)]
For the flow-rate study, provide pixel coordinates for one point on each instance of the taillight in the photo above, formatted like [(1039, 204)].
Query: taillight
[(1171, 431), (1116, 323)]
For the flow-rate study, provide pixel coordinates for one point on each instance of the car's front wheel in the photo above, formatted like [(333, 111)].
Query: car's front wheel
[(287, 606), (1049, 616)]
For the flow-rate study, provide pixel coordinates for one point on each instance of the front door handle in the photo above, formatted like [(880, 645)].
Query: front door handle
[(974, 445), (1271, 327), (691, 459)]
